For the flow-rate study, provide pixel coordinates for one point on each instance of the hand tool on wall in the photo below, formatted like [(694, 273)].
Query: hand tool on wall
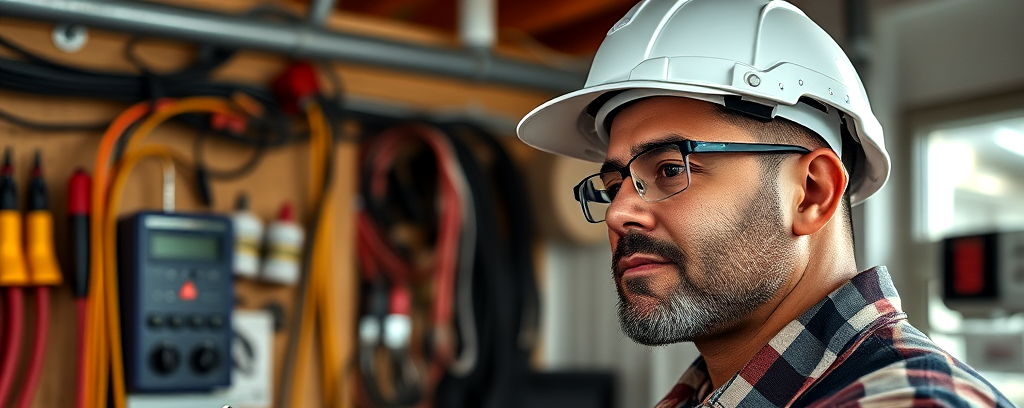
[(78, 208), (45, 272), (13, 274)]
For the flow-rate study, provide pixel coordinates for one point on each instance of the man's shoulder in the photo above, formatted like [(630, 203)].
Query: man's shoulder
[(897, 364)]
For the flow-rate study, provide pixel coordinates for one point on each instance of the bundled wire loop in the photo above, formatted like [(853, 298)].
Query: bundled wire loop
[(381, 261), (104, 359)]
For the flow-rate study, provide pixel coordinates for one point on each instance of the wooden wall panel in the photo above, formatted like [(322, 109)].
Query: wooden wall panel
[(281, 175)]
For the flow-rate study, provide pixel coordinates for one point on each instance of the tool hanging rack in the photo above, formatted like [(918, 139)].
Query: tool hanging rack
[(301, 40)]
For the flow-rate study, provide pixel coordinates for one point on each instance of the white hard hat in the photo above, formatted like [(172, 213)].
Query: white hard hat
[(764, 58)]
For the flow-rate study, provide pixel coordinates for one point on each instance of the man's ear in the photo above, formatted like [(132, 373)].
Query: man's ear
[(820, 194)]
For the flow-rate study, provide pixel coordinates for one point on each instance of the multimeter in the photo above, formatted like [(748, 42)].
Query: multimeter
[(177, 294)]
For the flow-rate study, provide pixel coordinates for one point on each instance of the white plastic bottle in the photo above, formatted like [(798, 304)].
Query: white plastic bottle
[(284, 249), (248, 238)]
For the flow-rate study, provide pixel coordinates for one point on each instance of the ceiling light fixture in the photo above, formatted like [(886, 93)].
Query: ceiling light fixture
[(1011, 140)]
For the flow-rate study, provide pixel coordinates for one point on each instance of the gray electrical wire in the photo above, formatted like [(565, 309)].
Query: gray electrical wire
[(463, 364)]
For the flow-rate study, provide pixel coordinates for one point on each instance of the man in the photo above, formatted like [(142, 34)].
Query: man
[(735, 135)]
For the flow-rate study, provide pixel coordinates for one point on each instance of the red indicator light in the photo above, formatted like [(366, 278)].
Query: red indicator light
[(188, 291), (969, 266)]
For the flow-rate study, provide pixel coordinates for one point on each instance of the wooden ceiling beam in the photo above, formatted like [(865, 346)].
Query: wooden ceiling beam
[(540, 16), (390, 8), (584, 36)]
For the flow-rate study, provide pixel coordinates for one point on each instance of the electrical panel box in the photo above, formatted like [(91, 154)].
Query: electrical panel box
[(984, 273), (177, 294)]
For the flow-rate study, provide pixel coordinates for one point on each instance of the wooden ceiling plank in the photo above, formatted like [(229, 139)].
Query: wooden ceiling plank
[(584, 36), (545, 15), (388, 8)]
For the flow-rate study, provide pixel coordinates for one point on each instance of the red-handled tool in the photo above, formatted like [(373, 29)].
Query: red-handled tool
[(79, 202)]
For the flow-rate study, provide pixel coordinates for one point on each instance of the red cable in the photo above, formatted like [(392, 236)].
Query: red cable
[(81, 311), (10, 358), (442, 266), (35, 367)]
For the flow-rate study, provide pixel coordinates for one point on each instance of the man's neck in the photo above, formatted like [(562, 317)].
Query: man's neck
[(728, 352)]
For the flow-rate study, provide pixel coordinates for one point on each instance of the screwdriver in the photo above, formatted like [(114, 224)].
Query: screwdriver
[(13, 274), (42, 262), (42, 258)]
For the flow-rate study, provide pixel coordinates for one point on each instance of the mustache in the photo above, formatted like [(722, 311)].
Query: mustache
[(638, 243)]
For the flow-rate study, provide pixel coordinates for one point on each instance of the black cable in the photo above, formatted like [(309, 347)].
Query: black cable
[(259, 151), (52, 127), (514, 197), (504, 225), (38, 75), (307, 261)]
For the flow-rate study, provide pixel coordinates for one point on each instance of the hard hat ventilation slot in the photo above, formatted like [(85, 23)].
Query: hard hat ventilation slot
[(814, 104), (761, 112)]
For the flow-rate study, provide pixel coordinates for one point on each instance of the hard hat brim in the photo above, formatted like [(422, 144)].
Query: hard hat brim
[(562, 125)]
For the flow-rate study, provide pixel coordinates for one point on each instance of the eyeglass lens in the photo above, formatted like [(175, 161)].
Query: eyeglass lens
[(656, 174)]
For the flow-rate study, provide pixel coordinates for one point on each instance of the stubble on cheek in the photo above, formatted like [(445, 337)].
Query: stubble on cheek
[(733, 265)]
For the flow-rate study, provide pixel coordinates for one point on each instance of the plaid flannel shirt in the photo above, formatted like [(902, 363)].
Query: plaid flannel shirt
[(853, 349)]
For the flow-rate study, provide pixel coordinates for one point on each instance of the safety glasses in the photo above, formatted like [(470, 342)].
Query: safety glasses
[(659, 172)]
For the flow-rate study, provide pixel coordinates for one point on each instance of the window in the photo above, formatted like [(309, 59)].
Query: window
[(971, 181)]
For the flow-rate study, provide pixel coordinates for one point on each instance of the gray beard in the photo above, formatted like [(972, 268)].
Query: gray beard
[(743, 268)]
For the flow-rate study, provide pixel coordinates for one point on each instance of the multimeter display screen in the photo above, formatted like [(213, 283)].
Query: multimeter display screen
[(169, 246)]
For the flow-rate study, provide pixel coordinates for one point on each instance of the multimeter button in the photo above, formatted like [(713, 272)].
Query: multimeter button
[(188, 291), (216, 322), (155, 321), (164, 359), (205, 358), (176, 321), (172, 274), (196, 321)]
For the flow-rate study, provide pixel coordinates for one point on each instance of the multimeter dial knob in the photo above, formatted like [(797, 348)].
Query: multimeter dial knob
[(205, 358), (164, 359)]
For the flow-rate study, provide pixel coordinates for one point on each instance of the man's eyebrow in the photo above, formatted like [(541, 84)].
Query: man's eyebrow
[(610, 165), (613, 164), (640, 148)]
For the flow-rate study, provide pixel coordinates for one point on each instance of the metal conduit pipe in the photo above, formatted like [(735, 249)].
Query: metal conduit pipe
[(319, 10), (294, 40)]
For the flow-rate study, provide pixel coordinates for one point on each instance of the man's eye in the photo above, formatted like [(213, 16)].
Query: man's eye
[(670, 170)]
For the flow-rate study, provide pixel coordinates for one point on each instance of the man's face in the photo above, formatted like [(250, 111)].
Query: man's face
[(704, 261)]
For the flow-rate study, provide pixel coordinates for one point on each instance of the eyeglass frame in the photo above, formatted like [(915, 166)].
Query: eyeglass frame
[(686, 148)]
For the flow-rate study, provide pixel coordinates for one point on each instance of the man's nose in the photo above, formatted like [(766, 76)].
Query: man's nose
[(629, 210)]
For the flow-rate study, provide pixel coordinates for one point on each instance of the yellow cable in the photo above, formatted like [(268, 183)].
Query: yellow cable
[(198, 104), (96, 357), (186, 105), (311, 291), (105, 349), (121, 173), (318, 152), (328, 333), (303, 346), (318, 306), (325, 284)]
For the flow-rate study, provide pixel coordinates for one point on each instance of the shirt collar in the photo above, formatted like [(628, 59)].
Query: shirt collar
[(801, 352)]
